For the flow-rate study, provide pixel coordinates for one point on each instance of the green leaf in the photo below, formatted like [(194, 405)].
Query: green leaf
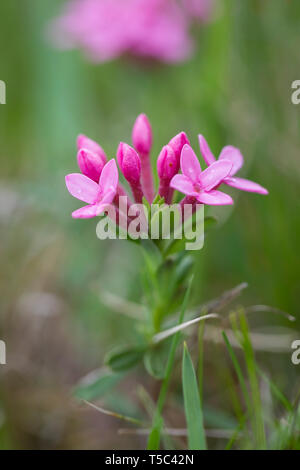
[(96, 384), (124, 358), (158, 200), (155, 359), (192, 404)]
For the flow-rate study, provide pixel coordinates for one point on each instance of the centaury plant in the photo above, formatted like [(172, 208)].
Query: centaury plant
[(168, 274)]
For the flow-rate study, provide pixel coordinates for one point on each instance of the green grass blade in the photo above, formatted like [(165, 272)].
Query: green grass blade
[(276, 392), (236, 433), (238, 371), (201, 330), (259, 429), (192, 404)]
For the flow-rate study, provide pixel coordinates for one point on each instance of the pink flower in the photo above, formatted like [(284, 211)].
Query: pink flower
[(84, 142), (142, 142), (177, 144), (166, 169), (142, 135), (233, 155), (98, 196), (106, 29), (130, 165), (200, 184)]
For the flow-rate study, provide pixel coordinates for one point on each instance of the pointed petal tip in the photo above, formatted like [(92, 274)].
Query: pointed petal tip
[(246, 185), (205, 150)]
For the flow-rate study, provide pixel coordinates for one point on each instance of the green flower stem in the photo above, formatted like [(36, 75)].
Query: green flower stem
[(154, 438)]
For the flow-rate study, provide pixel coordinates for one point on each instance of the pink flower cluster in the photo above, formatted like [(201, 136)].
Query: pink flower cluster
[(98, 183), (106, 29)]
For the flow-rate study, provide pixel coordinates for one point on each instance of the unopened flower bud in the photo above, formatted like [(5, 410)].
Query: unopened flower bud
[(129, 163), (166, 163), (142, 135), (84, 142), (90, 164), (177, 144)]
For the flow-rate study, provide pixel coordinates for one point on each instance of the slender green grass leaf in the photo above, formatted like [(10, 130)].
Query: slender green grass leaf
[(259, 430), (192, 404), (236, 433), (201, 330), (238, 371), (276, 392)]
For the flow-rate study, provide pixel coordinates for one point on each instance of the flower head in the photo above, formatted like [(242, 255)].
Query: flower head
[(98, 185), (200, 184), (97, 196), (233, 155)]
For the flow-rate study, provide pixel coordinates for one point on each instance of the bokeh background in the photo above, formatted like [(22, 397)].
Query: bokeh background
[(236, 90)]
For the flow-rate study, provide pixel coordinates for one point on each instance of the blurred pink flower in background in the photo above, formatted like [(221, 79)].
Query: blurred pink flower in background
[(199, 9), (106, 29)]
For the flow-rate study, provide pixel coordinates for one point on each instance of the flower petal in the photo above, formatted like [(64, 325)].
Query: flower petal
[(234, 155), (109, 177), (246, 185), (86, 212), (205, 150), (82, 187), (214, 174), (93, 210), (214, 198), (108, 197), (183, 184), (189, 163)]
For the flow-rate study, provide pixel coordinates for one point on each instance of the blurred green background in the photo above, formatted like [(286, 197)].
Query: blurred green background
[(235, 90)]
